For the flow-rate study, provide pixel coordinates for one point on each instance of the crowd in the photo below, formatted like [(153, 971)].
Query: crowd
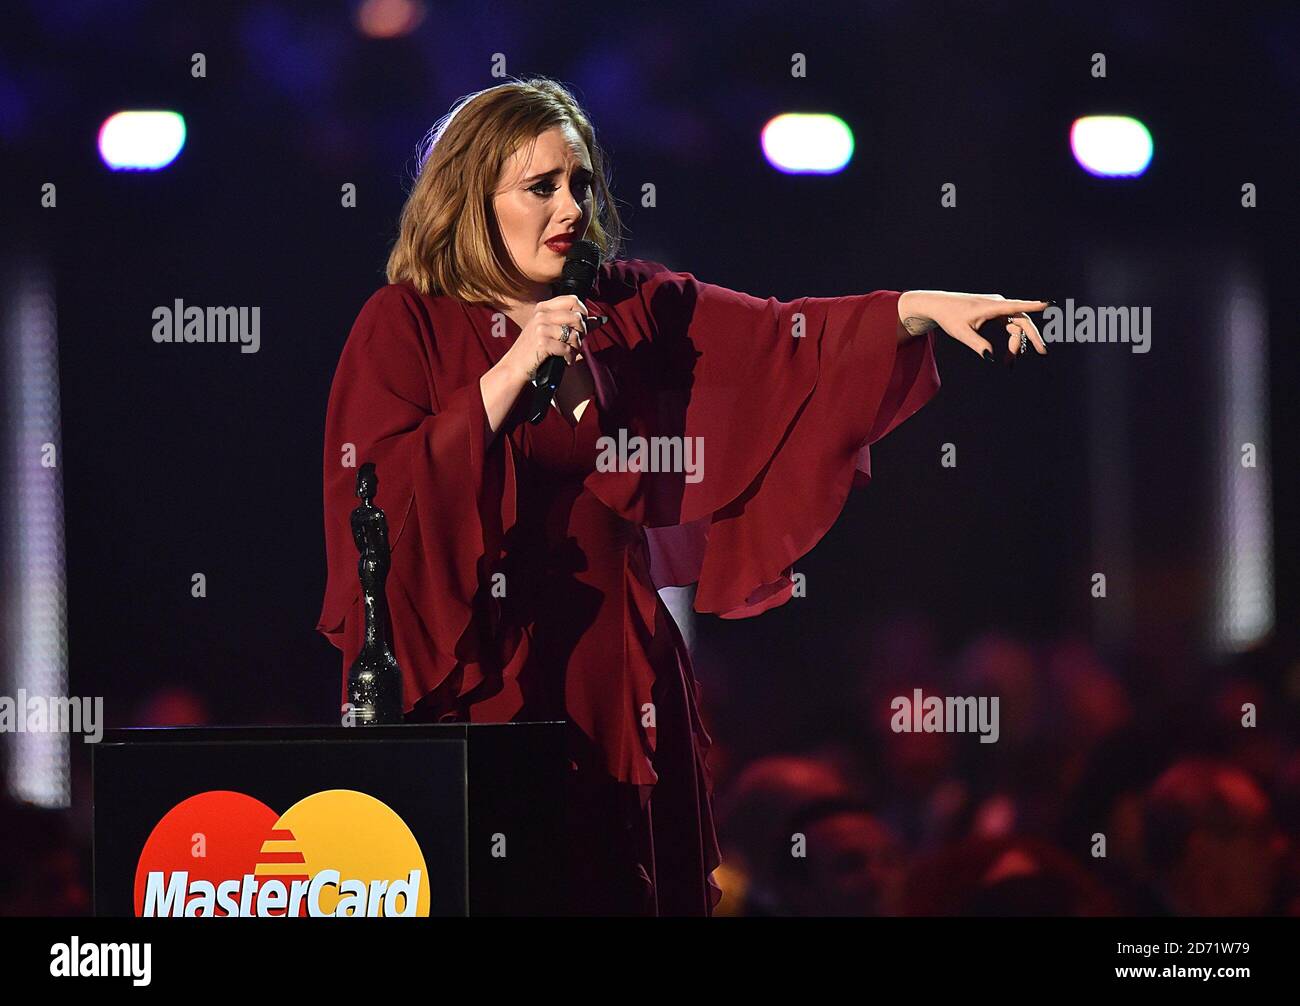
[(1110, 790)]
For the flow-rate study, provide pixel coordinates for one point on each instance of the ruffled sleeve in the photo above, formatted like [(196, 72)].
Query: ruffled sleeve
[(781, 400), (443, 493)]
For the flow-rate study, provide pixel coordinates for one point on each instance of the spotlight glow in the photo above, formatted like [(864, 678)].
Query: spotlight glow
[(141, 140), (33, 578), (1111, 146), (799, 143), (389, 18)]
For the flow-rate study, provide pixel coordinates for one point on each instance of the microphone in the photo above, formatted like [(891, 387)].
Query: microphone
[(578, 277)]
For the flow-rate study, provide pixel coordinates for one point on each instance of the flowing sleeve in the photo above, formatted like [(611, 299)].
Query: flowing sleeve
[(413, 407), (781, 399)]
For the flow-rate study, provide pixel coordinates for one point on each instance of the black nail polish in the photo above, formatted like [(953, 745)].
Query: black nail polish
[(988, 355)]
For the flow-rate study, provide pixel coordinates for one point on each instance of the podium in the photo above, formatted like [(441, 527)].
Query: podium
[(445, 819)]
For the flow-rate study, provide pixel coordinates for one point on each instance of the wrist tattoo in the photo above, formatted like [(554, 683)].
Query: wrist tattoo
[(918, 326)]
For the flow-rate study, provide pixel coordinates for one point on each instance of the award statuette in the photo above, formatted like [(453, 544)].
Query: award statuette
[(374, 680)]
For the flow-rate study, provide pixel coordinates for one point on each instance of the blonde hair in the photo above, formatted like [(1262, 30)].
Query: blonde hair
[(448, 241)]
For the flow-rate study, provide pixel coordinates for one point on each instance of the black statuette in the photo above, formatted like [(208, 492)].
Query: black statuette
[(374, 680)]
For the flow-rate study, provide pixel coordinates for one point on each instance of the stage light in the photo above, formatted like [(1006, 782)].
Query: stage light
[(141, 140), (36, 664), (389, 18), (799, 143), (1244, 602), (1111, 146)]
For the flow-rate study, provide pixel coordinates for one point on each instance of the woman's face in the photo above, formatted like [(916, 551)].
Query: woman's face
[(544, 193)]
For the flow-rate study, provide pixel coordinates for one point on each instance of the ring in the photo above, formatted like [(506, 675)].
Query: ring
[(565, 332), (1024, 339)]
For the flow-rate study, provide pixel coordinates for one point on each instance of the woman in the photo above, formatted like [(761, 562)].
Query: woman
[(526, 558)]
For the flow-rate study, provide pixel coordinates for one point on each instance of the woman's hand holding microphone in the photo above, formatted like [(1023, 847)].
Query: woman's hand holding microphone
[(542, 337)]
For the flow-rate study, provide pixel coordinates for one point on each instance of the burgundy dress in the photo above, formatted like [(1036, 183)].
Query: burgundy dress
[(524, 574)]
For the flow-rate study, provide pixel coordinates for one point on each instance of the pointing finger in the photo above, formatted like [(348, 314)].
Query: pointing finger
[(1014, 306)]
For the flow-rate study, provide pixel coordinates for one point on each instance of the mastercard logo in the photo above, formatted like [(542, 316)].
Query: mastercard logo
[(333, 853)]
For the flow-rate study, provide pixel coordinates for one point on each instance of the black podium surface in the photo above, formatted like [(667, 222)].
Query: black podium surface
[(410, 819)]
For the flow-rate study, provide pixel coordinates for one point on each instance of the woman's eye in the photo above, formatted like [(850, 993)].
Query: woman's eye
[(545, 189)]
